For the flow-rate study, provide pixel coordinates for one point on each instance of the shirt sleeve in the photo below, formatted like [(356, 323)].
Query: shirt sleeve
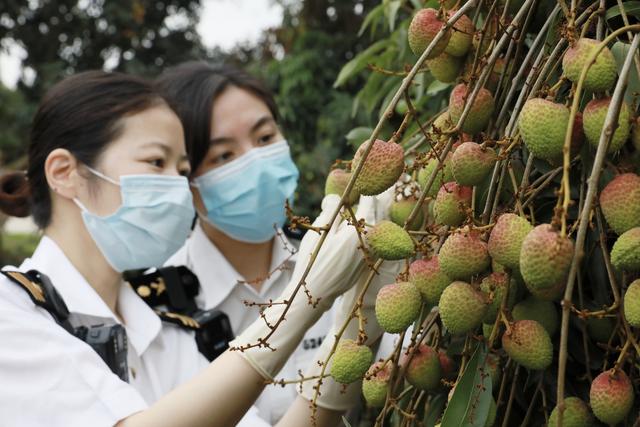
[(51, 378)]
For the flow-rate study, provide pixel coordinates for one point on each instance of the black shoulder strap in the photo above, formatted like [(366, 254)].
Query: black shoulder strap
[(43, 294), (181, 320), (173, 287)]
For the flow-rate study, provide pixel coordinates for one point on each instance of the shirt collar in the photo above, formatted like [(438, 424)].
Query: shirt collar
[(141, 323)]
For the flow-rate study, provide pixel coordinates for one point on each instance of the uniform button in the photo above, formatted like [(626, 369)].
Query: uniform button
[(133, 373)]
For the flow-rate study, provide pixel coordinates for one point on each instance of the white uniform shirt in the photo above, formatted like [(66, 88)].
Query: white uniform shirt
[(222, 288), (50, 378)]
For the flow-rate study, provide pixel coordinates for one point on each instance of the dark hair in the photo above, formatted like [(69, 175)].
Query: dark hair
[(81, 114), (193, 87)]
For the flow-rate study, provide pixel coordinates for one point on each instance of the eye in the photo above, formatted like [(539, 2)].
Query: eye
[(266, 139), (157, 162), (222, 158)]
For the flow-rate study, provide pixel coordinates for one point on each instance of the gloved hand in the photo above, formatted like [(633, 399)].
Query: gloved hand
[(336, 269), (334, 395)]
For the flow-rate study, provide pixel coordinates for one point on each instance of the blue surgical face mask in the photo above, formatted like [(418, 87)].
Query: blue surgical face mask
[(245, 198), (152, 223)]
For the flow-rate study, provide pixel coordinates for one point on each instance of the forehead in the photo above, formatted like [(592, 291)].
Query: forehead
[(236, 110), (158, 123)]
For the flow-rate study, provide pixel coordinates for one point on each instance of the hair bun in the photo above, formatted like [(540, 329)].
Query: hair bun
[(14, 194)]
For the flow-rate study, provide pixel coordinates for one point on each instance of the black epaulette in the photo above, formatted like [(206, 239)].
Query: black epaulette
[(181, 320)]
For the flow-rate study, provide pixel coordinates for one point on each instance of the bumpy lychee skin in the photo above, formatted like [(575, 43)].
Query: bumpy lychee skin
[(447, 365), (494, 287), (576, 414), (376, 384), (436, 131), (462, 308), (528, 343), (350, 361), (620, 202), (543, 312), (382, 168), (593, 118), (611, 396), (463, 255), (545, 257), (443, 175), (625, 254), (505, 240), (336, 184), (471, 163), (632, 304), (461, 36), (480, 113), (397, 306), (389, 241), (422, 30), (401, 209), (429, 279), (452, 203), (444, 67), (601, 75), (543, 126), (424, 370)]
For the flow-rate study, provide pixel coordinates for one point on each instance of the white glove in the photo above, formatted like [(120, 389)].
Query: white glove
[(336, 269), (333, 395)]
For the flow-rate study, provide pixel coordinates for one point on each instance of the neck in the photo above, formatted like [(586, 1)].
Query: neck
[(81, 250), (251, 260)]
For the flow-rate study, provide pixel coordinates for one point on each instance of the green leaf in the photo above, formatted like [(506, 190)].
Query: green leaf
[(620, 51), (391, 11), (436, 87), (358, 63), (375, 15), (434, 410), (357, 135), (630, 8), (471, 399)]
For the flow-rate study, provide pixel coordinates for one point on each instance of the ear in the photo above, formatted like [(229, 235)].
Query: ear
[(61, 170)]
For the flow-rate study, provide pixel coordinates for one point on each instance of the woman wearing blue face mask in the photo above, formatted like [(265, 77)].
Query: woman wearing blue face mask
[(106, 183)]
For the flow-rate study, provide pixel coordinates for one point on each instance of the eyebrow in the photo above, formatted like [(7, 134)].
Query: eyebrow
[(165, 148), (260, 122)]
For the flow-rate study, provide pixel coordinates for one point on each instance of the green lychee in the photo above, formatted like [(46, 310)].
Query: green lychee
[(463, 255), (443, 175), (400, 210), (350, 361), (632, 304), (376, 385), (543, 312), (447, 365), (620, 202), (480, 112), (461, 36), (505, 240), (422, 30), (545, 257), (444, 67), (428, 278), (576, 414), (554, 293), (437, 130), (625, 254), (611, 396), (527, 343), (382, 168), (601, 75), (490, 32), (471, 163), (462, 308), (593, 118), (543, 127), (494, 287), (450, 207), (337, 183), (397, 306), (423, 369), (389, 241)]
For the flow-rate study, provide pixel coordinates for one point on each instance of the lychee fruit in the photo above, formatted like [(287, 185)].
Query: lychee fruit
[(494, 287), (593, 118), (429, 279), (461, 36), (376, 385), (463, 255), (490, 33), (452, 203), (423, 370), (397, 306), (441, 124), (625, 254), (543, 127), (480, 112), (632, 304), (462, 308), (382, 168), (576, 414), (447, 365), (400, 210), (422, 30), (389, 241), (620, 202), (601, 75), (444, 67), (545, 257), (505, 240), (350, 361), (554, 293), (443, 175), (471, 163), (337, 183), (527, 342), (543, 312), (611, 396)]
